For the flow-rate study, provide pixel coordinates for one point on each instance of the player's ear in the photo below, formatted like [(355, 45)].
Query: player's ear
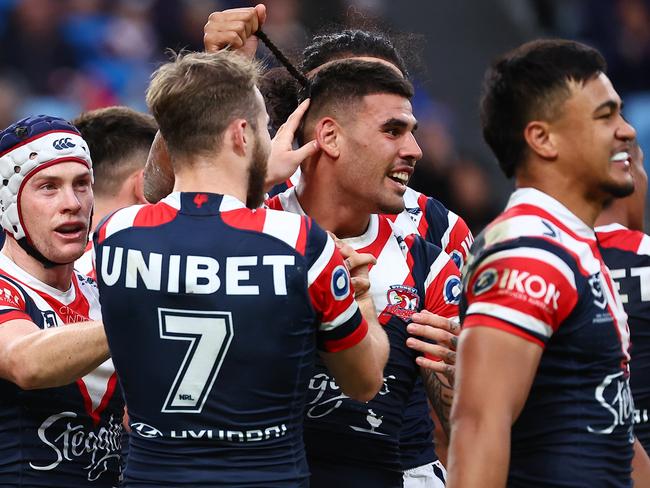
[(540, 139), (138, 186), (238, 136), (328, 134)]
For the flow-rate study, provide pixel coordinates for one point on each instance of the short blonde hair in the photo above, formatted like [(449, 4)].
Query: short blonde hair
[(196, 96)]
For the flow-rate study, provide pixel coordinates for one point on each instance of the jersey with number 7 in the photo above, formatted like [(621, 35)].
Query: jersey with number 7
[(213, 314)]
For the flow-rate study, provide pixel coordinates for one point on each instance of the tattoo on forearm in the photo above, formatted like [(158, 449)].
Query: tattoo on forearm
[(440, 390)]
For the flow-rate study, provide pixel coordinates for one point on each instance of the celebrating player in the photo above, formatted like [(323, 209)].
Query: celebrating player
[(626, 251), (422, 215), (542, 388), (214, 311), (60, 406), (361, 116)]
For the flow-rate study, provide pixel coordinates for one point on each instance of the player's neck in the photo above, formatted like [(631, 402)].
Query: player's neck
[(212, 175), (58, 277), (567, 192), (616, 213), (331, 211)]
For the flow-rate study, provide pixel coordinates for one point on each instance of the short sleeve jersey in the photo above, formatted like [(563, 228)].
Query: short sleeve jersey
[(213, 314), (537, 272), (627, 254), (410, 275), (69, 435)]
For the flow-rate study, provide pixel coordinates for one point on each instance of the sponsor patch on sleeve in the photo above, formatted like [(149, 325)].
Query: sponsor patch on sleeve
[(340, 285), (452, 290)]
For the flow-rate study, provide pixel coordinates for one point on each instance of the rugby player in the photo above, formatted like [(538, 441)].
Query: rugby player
[(60, 403), (422, 215), (626, 251), (361, 116), (213, 310), (542, 388)]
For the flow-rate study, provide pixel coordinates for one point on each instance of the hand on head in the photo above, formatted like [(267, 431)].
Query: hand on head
[(284, 160)]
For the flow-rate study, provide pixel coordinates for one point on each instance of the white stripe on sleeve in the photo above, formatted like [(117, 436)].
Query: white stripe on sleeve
[(512, 316), (319, 265), (341, 319)]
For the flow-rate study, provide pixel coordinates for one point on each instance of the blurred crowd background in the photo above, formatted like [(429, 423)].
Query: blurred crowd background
[(62, 57)]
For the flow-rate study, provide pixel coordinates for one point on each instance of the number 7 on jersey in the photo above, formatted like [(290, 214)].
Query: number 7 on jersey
[(209, 334)]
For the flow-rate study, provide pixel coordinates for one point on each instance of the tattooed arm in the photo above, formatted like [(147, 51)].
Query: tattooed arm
[(437, 365), (440, 393)]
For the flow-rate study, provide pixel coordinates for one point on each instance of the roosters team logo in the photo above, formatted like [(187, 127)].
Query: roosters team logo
[(403, 301)]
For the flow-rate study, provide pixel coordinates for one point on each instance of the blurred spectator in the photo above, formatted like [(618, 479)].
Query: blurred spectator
[(33, 47), (84, 28), (460, 183), (621, 29), (179, 23)]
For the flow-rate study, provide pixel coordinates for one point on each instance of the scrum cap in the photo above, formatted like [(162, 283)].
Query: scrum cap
[(26, 147)]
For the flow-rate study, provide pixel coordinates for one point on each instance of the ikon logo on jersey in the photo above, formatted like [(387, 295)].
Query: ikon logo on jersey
[(518, 282), (403, 301)]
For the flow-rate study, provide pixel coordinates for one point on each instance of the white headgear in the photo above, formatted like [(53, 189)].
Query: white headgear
[(26, 147)]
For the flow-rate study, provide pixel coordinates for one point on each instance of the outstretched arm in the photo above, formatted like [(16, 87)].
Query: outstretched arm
[(44, 358)]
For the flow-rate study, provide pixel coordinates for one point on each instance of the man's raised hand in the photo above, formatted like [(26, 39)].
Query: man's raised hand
[(234, 28)]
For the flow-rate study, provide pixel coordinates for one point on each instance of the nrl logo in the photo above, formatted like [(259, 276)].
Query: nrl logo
[(600, 299)]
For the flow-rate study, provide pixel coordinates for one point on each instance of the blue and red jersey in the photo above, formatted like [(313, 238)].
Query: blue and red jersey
[(430, 219), (537, 272), (410, 275), (214, 313), (427, 217), (627, 254), (69, 435)]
